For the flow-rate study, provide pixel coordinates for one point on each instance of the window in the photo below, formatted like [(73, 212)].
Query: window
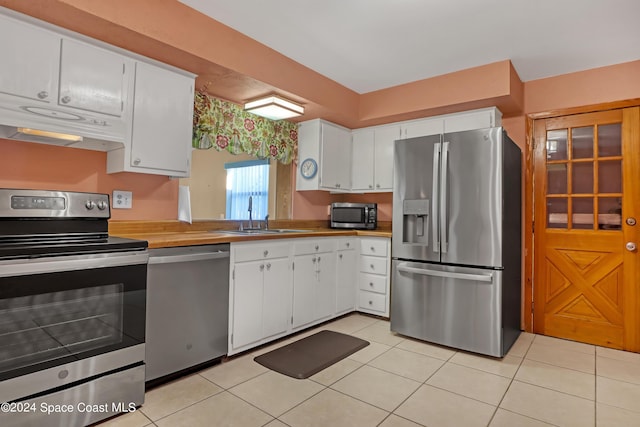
[(244, 179)]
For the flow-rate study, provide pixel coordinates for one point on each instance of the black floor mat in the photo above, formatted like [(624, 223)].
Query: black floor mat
[(312, 354)]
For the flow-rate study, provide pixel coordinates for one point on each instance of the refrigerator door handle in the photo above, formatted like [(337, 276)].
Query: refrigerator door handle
[(464, 276), (435, 196), (444, 198)]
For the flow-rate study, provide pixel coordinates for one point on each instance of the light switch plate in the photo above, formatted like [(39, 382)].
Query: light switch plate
[(122, 199)]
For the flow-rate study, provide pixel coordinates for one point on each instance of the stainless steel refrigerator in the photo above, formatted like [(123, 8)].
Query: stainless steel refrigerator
[(456, 244)]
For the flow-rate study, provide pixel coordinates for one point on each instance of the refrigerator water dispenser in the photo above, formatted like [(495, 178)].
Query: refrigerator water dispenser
[(415, 221)]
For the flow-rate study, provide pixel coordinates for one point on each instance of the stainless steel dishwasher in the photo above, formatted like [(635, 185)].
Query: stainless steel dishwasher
[(187, 308)]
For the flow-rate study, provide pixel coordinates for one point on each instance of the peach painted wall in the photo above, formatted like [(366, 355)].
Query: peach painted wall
[(45, 167), (599, 85)]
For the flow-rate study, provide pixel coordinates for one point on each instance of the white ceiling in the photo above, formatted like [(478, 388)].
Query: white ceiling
[(372, 44)]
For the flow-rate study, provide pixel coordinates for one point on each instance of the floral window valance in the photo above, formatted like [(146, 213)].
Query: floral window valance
[(226, 126)]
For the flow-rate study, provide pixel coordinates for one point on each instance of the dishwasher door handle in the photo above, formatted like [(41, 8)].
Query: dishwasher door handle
[(171, 259), (465, 276)]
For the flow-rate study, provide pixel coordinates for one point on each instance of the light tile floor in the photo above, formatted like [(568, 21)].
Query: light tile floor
[(400, 382)]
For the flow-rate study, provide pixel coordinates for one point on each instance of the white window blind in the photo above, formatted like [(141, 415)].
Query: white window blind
[(244, 179)]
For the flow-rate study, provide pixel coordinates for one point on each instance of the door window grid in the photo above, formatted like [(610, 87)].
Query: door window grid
[(584, 177)]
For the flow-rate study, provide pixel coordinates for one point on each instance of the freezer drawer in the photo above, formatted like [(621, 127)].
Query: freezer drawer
[(453, 306)]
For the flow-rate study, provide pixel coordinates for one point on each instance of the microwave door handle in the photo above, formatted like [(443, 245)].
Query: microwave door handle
[(444, 198), (434, 198)]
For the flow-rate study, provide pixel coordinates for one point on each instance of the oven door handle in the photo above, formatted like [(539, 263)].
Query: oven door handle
[(11, 268), (170, 259)]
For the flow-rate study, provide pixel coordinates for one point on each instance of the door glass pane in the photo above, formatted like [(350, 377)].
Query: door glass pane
[(557, 144), (582, 142), (610, 176), (609, 213), (582, 178), (557, 209), (582, 213), (557, 178), (609, 140)]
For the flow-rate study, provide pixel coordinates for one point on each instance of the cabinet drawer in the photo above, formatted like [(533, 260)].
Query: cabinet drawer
[(376, 247), (313, 246), (372, 264), (373, 283), (372, 301), (260, 251), (346, 244)]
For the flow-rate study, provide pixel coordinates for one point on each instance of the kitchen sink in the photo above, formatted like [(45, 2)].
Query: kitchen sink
[(262, 231)]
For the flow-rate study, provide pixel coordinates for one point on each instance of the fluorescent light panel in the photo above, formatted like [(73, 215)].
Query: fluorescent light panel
[(274, 108), (47, 134)]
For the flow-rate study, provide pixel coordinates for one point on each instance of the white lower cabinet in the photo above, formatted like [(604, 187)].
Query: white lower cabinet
[(260, 293), (279, 287), (373, 275), (346, 261), (314, 272)]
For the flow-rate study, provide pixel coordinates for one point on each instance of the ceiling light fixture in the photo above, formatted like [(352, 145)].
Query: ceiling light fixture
[(274, 108)]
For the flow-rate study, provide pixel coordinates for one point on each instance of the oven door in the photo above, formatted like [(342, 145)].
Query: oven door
[(65, 319)]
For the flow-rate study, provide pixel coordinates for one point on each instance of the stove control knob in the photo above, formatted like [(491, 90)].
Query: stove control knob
[(89, 204), (102, 205)]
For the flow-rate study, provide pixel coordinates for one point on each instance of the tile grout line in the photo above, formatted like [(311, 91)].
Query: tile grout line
[(511, 382), (324, 386)]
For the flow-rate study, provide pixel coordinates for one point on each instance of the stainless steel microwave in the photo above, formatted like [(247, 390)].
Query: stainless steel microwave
[(354, 215)]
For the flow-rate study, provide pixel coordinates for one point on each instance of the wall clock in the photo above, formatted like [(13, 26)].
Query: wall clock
[(308, 168)]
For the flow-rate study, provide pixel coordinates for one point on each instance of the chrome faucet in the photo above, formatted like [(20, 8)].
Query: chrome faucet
[(250, 210), (266, 222)]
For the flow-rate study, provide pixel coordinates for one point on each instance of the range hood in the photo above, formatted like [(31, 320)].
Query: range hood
[(25, 120)]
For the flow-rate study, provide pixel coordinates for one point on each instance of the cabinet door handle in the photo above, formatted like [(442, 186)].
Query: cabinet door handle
[(65, 99), (370, 186), (43, 94), (318, 259), (136, 161), (265, 253), (314, 259), (370, 302), (371, 284), (317, 247), (348, 244), (372, 267), (268, 266), (373, 249), (340, 256), (377, 185), (261, 267)]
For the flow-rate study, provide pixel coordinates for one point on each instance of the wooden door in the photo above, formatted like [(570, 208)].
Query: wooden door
[(587, 202)]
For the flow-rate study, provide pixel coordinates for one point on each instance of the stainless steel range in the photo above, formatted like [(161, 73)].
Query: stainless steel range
[(72, 311)]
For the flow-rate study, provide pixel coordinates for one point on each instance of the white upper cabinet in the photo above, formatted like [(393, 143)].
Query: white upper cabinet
[(363, 160), (373, 158), (162, 122), (477, 119), (29, 60), (468, 120), (324, 157), (138, 110), (364, 164), (383, 158), (93, 79), (423, 127)]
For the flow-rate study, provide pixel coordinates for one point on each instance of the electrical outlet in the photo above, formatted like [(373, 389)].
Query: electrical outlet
[(122, 199)]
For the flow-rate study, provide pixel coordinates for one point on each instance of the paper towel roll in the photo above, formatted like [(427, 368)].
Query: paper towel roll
[(184, 204)]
